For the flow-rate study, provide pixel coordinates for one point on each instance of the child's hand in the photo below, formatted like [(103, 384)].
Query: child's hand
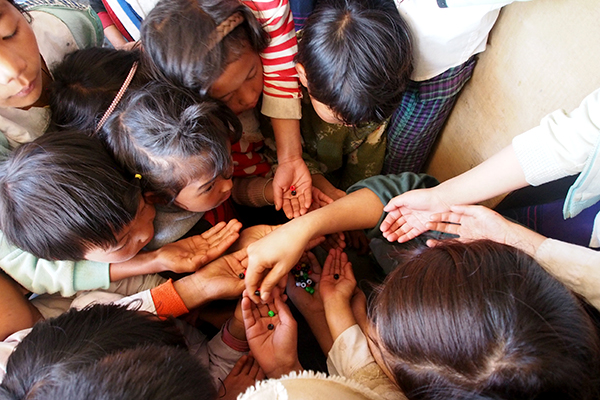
[(409, 213), (222, 278), (292, 172), (244, 374), (337, 279), (187, 255), (252, 234), (272, 339), (319, 199), (306, 303)]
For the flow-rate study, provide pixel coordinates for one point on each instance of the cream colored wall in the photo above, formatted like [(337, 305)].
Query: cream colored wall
[(542, 55)]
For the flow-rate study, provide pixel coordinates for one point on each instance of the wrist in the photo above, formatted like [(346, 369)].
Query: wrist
[(285, 370)]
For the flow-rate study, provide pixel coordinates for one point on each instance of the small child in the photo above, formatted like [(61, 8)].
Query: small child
[(458, 320), (239, 53), (63, 197)]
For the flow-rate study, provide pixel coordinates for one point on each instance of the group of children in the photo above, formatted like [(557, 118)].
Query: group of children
[(122, 163)]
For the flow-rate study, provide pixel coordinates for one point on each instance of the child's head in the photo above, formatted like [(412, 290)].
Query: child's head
[(85, 84), (190, 43), (482, 320), (20, 61), (62, 197), (178, 142), (105, 352), (355, 59)]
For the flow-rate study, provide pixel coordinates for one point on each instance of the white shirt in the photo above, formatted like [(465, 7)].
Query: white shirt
[(446, 37)]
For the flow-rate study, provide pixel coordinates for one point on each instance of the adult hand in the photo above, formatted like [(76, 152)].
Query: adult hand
[(272, 339), (187, 255), (292, 172), (479, 222), (409, 213), (252, 234), (272, 257)]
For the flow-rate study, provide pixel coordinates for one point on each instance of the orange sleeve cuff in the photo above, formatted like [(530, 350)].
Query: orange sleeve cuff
[(167, 301)]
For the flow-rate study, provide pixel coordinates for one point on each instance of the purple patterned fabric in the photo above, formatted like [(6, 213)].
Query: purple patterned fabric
[(416, 123)]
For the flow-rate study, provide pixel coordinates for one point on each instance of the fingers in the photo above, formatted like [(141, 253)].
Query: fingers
[(314, 263), (247, 313), (328, 264), (278, 196), (393, 204), (270, 282), (239, 366)]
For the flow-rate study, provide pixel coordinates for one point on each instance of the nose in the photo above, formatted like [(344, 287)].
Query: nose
[(12, 67), (247, 97), (227, 185)]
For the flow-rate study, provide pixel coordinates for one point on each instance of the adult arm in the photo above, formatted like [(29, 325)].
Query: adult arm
[(575, 266)]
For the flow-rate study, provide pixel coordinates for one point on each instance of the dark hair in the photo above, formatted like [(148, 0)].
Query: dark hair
[(79, 343), (85, 84), (357, 55), (177, 35), (146, 373), (63, 194), (171, 136), (483, 320)]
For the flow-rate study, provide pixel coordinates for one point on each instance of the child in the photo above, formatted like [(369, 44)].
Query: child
[(64, 198), (477, 320), (221, 49), (446, 35), (58, 349), (40, 35)]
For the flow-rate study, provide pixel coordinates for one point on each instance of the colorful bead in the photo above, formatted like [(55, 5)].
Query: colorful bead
[(257, 293), (270, 327), (242, 275), (336, 276), (271, 313)]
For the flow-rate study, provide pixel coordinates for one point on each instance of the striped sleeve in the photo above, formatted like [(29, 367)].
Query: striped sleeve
[(281, 92)]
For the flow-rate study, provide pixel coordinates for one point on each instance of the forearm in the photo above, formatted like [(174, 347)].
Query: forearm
[(142, 264), (497, 175), (287, 138), (358, 210), (320, 328), (339, 317)]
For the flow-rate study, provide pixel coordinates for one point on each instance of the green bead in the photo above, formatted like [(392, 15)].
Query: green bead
[(271, 313)]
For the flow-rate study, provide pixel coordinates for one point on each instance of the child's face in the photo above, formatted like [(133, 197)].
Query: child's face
[(20, 60), (377, 352), (130, 240), (322, 110), (205, 194), (241, 84)]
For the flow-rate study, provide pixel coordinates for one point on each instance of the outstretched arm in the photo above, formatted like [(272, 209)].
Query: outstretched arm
[(409, 213), (276, 254)]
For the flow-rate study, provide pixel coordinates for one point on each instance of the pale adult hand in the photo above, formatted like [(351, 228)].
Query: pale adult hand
[(188, 255), (252, 234), (479, 222), (272, 257), (409, 213), (244, 374), (272, 339), (292, 172)]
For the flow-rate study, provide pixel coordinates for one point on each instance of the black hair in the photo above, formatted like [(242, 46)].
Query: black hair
[(357, 55), (63, 194), (146, 373), (483, 320), (100, 350), (85, 84), (171, 136), (177, 38)]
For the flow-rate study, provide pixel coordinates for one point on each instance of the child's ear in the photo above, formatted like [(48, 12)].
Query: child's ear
[(152, 198), (302, 74)]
